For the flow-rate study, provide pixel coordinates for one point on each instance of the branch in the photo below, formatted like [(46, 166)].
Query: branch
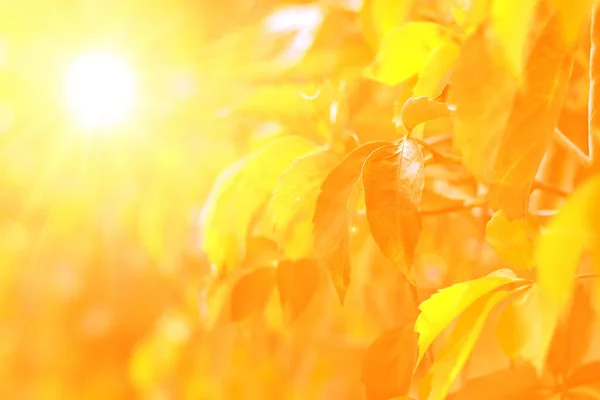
[(455, 208), (572, 148), (544, 187)]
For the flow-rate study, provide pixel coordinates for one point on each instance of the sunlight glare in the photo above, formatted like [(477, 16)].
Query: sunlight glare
[(100, 90)]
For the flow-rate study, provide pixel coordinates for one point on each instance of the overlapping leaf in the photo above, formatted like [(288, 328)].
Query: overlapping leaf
[(297, 282), (393, 179), (239, 193), (513, 240), (331, 218), (251, 292)]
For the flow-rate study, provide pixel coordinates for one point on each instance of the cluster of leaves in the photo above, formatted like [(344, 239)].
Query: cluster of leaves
[(416, 158)]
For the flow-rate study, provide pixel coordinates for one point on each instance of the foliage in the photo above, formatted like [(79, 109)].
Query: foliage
[(399, 202)]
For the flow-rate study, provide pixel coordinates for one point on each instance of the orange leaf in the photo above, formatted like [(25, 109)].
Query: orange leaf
[(297, 282), (251, 293), (388, 364), (393, 179), (417, 110), (331, 218), (518, 383)]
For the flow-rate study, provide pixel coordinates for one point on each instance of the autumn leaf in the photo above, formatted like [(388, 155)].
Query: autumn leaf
[(571, 15), (297, 282), (417, 110), (443, 307), (434, 74), (594, 90), (379, 17), (586, 376), (238, 195), (331, 217), (572, 337), (477, 73), (512, 240), (511, 22), (388, 364), (393, 180), (295, 196), (535, 112), (405, 50), (514, 326), (458, 346), (251, 292), (518, 383), (557, 255)]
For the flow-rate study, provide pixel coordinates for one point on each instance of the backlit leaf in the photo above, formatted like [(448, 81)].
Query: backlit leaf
[(511, 22), (558, 253), (295, 195), (251, 293), (379, 17), (459, 344), (239, 193), (417, 110), (393, 179), (389, 363), (432, 77), (479, 119), (405, 50), (535, 112), (513, 240), (571, 15), (297, 281), (332, 218), (572, 337), (513, 328), (518, 383), (443, 307), (594, 76)]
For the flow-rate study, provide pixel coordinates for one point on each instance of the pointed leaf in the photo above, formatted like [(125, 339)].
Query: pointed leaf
[(535, 112), (238, 195), (251, 293), (331, 218), (511, 21), (443, 307), (417, 110), (405, 50), (571, 339), (513, 240), (393, 179), (295, 195), (459, 344), (433, 75), (477, 74), (518, 383), (297, 282), (575, 229), (389, 363)]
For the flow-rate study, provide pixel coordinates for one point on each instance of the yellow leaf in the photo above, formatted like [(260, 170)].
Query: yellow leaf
[(432, 77), (511, 22), (405, 51), (571, 14), (417, 110), (557, 254), (379, 17), (471, 18), (513, 329), (295, 196), (458, 346), (332, 217), (529, 129), (513, 240), (239, 193), (475, 76), (443, 307), (393, 179)]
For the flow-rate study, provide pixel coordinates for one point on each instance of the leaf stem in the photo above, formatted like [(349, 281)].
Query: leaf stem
[(572, 148), (455, 208), (544, 187)]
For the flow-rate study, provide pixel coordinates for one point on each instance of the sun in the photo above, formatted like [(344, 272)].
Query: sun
[(100, 90)]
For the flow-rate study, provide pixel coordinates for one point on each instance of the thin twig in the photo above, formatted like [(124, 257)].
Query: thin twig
[(455, 208), (572, 148), (590, 275), (544, 187)]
